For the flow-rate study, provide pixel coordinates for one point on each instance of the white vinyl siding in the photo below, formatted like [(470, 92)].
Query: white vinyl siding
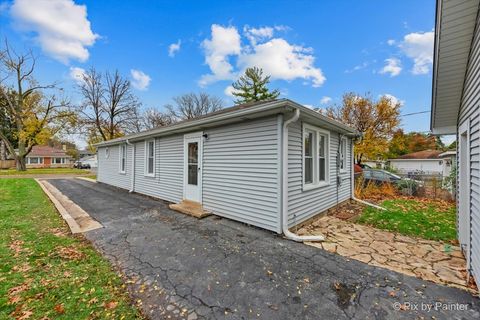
[(241, 172), (470, 116), (167, 180), (108, 167), (304, 204)]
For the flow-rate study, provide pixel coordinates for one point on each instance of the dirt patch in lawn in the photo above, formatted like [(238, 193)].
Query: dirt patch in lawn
[(426, 259)]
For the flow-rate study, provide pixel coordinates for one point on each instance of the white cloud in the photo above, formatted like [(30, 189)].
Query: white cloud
[(225, 42), (419, 47), (257, 34), (358, 67), (278, 58), (174, 48), (61, 27), (140, 81), (309, 106), (77, 74), (392, 66), (325, 100), (391, 42), (229, 91), (394, 100)]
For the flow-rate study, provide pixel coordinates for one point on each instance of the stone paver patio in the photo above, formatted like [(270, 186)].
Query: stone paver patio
[(426, 259)]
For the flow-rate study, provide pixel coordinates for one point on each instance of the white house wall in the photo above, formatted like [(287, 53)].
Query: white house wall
[(109, 168), (469, 112), (429, 166), (303, 205), (240, 172)]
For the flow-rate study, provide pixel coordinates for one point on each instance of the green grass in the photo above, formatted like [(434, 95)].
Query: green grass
[(9, 172), (428, 219), (92, 176), (46, 272)]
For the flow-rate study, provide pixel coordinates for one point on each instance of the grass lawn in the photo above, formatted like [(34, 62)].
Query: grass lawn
[(424, 218), (10, 172), (46, 273), (92, 176)]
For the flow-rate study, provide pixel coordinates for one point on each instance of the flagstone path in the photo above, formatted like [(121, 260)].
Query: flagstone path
[(426, 259)]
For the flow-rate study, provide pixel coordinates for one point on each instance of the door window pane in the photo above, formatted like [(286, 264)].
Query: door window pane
[(193, 163)]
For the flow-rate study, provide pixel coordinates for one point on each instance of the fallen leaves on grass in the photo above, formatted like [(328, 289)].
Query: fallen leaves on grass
[(111, 305), (23, 268), (16, 247), (59, 309), (70, 253), (18, 289)]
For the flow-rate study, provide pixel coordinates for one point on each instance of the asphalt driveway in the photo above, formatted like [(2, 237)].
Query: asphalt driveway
[(217, 268)]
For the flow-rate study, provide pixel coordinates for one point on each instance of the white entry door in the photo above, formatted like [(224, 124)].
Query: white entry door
[(193, 167)]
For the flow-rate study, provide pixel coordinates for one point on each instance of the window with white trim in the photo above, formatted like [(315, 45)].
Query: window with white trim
[(58, 160), (150, 158), (35, 160), (123, 158), (343, 154), (315, 156)]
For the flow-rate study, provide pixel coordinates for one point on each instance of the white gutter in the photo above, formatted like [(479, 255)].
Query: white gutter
[(286, 232), (132, 179), (352, 191)]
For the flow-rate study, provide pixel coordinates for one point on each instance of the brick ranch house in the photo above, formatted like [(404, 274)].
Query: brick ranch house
[(47, 157)]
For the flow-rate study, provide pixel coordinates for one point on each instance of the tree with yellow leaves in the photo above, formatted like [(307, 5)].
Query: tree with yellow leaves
[(31, 113), (376, 120)]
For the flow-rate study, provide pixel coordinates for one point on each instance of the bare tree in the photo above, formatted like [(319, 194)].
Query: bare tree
[(191, 105), (36, 112), (153, 118), (109, 109)]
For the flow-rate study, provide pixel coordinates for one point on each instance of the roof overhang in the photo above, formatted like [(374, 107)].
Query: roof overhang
[(454, 30), (283, 106)]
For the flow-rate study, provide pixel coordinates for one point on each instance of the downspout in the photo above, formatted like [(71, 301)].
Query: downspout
[(352, 180), (132, 179), (286, 232)]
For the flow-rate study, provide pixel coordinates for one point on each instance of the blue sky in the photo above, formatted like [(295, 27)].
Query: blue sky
[(315, 50)]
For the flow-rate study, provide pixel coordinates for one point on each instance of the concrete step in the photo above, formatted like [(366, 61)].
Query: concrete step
[(191, 208)]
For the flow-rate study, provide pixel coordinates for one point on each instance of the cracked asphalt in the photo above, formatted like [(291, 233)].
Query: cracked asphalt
[(214, 268)]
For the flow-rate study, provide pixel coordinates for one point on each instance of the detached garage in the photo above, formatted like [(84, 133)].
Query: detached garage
[(255, 163)]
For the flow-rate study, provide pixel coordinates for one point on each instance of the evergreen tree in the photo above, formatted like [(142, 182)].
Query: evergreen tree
[(252, 86)]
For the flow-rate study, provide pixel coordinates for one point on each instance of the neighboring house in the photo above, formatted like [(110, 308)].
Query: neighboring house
[(252, 163), (47, 157), (456, 110), (85, 153), (425, 162), (449, 161), (90, 160)]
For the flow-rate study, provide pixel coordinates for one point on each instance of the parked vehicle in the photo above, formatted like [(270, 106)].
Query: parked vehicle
[(80, 165), (379, 177)]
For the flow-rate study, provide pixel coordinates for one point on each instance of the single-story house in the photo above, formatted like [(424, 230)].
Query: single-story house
[(253, 163), (456, 110), (47, 157), (425, 162)]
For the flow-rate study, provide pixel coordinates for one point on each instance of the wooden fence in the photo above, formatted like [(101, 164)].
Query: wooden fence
[(7, 164)]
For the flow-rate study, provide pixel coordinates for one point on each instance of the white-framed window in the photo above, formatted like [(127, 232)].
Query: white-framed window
[(343, 155), (58, 160), (107, 152), (123, 158), (150, 158), (35, 160), (316, 144)]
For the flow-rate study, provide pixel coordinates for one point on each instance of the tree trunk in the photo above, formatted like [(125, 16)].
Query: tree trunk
[(21, 163)]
